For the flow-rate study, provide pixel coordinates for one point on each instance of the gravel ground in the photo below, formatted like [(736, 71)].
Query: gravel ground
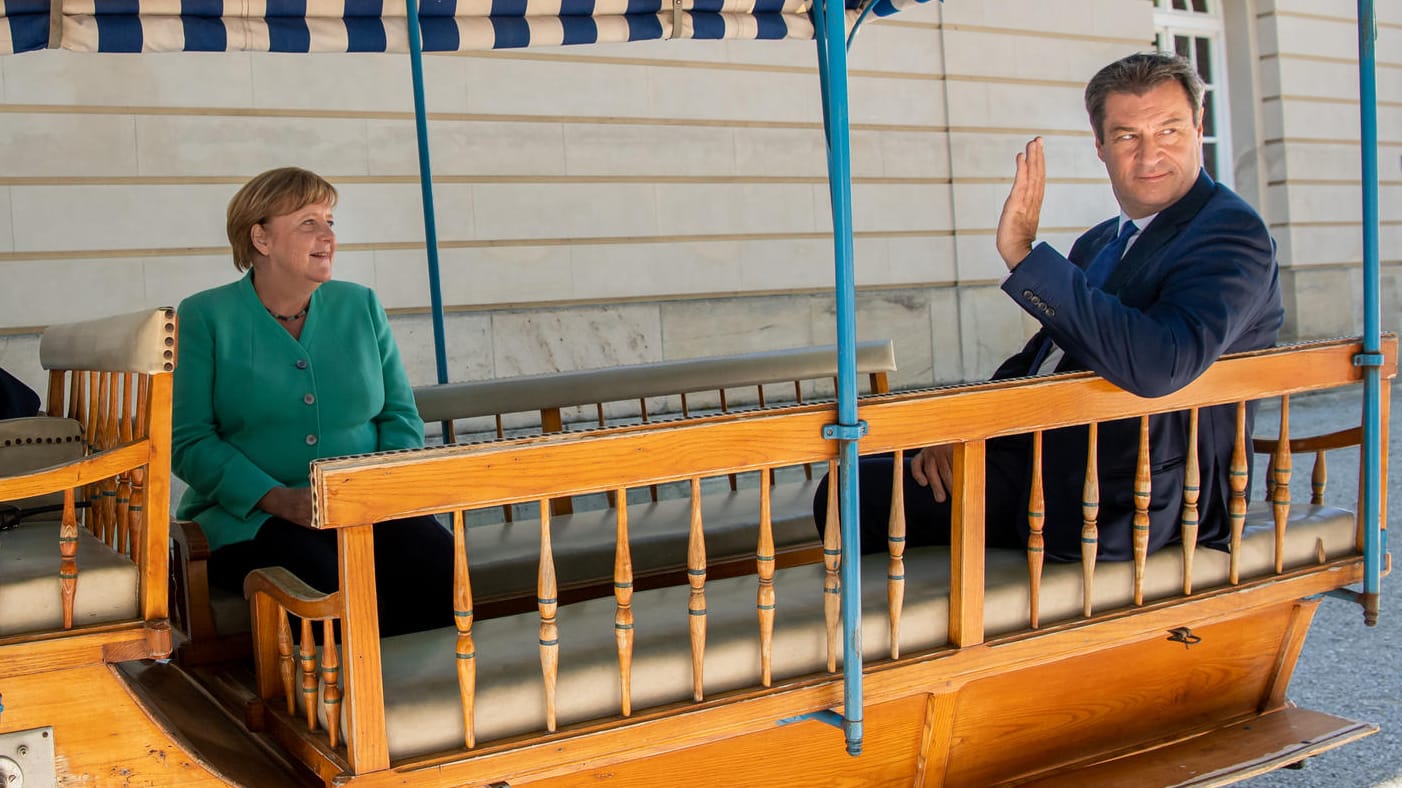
[(1346, 668)]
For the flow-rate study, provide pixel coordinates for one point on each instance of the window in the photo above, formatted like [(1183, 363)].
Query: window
[(1193, 29)]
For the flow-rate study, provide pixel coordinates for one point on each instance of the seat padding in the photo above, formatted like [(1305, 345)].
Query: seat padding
[(503, 557), (30, 600), (421, 693), (35, 442)]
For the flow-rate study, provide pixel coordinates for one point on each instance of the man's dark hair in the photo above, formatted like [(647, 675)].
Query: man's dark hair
[(1138, 74)]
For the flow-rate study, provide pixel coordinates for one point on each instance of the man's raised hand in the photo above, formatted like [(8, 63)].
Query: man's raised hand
[(1017, 227)]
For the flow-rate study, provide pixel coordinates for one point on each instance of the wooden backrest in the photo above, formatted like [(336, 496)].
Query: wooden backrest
[(352, 493), (112, 377)]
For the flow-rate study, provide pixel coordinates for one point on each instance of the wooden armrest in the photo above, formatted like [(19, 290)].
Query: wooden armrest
[(189, 582), (1341, 439), (287, 590)]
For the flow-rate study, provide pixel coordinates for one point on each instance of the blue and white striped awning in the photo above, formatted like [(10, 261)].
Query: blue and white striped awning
[(379, 25)]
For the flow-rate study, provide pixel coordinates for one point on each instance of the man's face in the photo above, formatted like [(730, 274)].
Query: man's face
[(1151, 147)]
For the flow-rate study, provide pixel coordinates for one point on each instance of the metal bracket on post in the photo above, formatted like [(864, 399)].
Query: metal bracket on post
[(1368, 360), (826, 716), (844, 432)]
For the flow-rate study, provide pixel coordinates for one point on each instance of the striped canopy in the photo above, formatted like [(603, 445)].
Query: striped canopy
[(379, 25)]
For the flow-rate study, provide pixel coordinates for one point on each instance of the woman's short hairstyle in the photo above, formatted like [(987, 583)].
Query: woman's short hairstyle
[(273, 193), (1138, 74)]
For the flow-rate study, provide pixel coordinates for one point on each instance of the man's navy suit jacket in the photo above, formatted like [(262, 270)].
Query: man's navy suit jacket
[(1199, 282)]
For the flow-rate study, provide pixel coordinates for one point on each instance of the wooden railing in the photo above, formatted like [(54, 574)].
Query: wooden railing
[(353, 493)]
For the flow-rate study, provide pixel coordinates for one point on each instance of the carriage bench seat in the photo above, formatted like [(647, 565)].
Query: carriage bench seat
[(504, 555), (423, 713)]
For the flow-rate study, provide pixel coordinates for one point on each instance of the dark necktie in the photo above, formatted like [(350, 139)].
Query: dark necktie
[(1096, 274), (1109, 257)]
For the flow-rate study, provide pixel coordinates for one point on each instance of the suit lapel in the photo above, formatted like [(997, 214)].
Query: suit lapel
[(1164, 228)]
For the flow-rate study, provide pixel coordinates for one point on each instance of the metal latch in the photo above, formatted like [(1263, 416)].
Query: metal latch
[(27, 759)]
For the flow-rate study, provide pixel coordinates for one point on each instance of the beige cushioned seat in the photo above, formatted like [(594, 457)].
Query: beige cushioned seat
[(34, 442), (503, 558), (29, 592), (421, 694)]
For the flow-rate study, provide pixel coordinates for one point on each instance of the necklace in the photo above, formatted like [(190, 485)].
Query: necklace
[(288, 318)]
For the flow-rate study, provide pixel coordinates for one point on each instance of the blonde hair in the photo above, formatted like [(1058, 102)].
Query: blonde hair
[(273, 193)]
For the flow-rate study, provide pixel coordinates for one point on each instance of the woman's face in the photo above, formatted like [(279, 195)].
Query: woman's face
[(298, 245)]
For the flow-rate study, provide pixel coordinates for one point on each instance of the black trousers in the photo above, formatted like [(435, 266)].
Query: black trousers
[(928, 520), (413, 567)]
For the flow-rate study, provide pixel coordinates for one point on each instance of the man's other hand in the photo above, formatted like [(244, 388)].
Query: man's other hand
[(1017, 227), (933, 467)]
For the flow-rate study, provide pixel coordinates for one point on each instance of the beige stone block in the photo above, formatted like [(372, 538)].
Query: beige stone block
[(1317, 36), (468, 147), (991, 329), (549, 88), (897, 49), (1317, 161), (1320, 302), (393, 212), (118, 217), (902, 316), (1307, 245), (911, 154), (468, 344), (904, 102), (654, 270), (612, 149), (781, 151), (871, 258), (995, 53), (56, 146), (980, 106), (360, 81), (714, 327), (922, 260), (505, 275), (170, 280), (1320, 120), (1299, 76), (785, 264), (88, 289), (1097, 18), (945, 345), (564, 210), (983, 155), (726, 94), (172, 145), (7, 235), (71, 78), (716, 209), (899, 206), (533, 341)]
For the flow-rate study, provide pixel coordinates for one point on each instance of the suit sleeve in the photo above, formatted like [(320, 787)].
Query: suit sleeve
[(1217, 277), (398, 424), (208, 463)]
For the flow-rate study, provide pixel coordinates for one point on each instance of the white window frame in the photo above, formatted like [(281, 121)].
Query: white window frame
[(1205, 25)]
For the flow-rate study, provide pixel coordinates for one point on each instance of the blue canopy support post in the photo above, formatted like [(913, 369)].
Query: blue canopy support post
[(435, 288), (829, 18), (1371, 358)]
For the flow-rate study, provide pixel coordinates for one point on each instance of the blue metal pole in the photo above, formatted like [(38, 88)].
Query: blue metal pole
[(1371, 358), (832, 71), (435, 288)]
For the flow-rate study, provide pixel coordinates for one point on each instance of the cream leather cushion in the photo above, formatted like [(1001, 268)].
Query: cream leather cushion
[(29, 591), (421, 693), (35, 442)]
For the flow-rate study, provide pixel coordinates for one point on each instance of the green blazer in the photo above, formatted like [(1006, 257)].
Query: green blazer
[(253, 406)]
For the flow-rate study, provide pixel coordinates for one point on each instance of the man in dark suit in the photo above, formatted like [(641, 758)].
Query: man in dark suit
[(1148, 300)]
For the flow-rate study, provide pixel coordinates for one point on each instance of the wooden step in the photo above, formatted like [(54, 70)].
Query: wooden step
[(1222, 756)]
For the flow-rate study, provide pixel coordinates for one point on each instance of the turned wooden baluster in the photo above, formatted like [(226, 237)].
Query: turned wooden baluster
[(547, 601), (895, 538), (1036, 543), (696, 602), (1090, 516), (623, 597), (92, 431), (137, 507), (308, 660), (1237, 477), (1319, 477), (764, 564), (123, 492), (462, 617), (331, 678), (832, 564), (68, 558), (1139, 529), (1192, 489), (110, 439), (1280, 498), (284, 659)]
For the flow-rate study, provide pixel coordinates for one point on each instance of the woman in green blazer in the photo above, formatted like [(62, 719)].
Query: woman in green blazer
[(280, 368)]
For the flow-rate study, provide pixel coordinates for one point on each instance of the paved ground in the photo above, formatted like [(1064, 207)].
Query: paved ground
[(1346, 668)]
